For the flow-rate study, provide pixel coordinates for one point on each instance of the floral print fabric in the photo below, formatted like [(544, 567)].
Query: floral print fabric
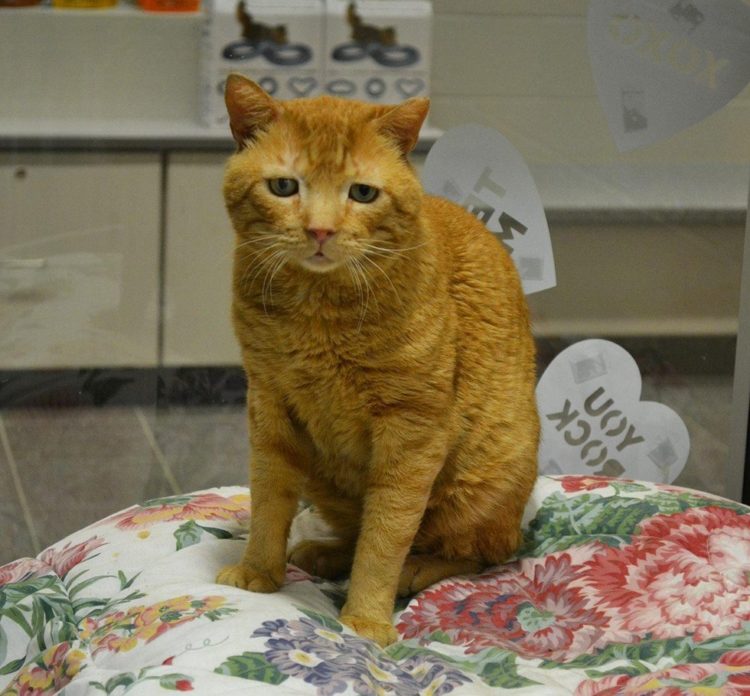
[(621, 587)]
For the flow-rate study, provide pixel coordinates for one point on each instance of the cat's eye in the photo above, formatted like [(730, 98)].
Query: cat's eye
[(283, 187), (362, 193)]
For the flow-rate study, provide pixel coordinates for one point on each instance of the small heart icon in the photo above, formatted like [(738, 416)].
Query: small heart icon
[(302, 86), (593, 421), (480, 169), (409, 86), (661, 66)]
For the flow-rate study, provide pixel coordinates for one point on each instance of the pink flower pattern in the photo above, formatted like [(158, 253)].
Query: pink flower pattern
[(48, 673), (731, 672), (682, 574), (574, 484), (22, 569), (62, 560), (532, 608), (622, 588), (201, 507)]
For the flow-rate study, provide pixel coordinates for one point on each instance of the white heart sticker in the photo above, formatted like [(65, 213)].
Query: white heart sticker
[(480, 169), (663, 65), (302, 86), (409, 86), (593, 421)]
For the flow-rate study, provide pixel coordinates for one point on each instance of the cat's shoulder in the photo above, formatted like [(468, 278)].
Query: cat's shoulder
[(445, 214), (437, 204), (463, 236)]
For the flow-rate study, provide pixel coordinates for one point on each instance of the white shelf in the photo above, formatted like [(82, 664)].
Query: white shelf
[(109, 134), (583, 193), (120, 10), (688, 193), (127, 134)]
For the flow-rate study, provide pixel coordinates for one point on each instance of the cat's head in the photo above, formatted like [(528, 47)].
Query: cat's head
[(321, 184)]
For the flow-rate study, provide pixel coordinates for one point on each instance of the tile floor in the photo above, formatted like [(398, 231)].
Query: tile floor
[(61, 469)]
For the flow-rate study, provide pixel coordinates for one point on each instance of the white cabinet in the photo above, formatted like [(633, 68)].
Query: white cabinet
[(198, 264), (79, 259)]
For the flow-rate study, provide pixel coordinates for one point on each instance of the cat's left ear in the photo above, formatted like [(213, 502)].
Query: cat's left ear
[(250, 108), (402, 123)]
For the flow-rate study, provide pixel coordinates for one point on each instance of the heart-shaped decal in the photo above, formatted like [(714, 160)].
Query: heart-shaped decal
[(593, 421), (302, 86), (409, 86), (663, 65), (341, 87), (479, 169)]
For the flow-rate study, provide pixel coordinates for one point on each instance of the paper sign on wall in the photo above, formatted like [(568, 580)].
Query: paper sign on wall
[(663, 65), (479, 169), (593, 421)]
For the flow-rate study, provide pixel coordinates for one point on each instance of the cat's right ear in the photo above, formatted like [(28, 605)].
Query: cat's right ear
[(250, 108), (403, 122)]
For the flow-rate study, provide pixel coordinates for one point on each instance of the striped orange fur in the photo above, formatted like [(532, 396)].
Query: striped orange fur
[(390, 362)]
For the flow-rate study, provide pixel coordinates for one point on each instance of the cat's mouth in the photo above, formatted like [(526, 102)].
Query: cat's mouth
[(318, 261)]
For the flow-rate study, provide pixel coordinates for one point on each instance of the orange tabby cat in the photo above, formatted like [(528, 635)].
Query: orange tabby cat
[(386, 342)]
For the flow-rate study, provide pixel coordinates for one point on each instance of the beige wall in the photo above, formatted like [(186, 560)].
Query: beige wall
[(642, 279), (522, 67)]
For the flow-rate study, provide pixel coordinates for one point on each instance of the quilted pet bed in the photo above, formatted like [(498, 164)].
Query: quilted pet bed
[(621, 588)]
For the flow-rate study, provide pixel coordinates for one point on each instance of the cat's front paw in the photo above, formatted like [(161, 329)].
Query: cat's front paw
[(246, 578), (382, 632)]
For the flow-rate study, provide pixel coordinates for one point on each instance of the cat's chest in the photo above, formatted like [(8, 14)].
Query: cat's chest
[(328, 397)]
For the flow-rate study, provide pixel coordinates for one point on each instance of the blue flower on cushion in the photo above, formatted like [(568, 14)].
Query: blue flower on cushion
[(270, 629), (300, 659), (433, 676), (331, 660)]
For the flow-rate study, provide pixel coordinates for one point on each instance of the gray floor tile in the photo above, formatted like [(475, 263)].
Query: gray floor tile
[(80, 465), (704, 402), (204, 447), (15, 538)]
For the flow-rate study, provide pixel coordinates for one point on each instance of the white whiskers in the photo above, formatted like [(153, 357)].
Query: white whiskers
[(271, 257), (269, 279), (378, 250), (265, 256), (364, 263), (372, 263), (362, 282)]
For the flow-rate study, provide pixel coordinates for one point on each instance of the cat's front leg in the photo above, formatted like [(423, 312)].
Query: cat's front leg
[(273, 505), (403, 469), (275, 477)]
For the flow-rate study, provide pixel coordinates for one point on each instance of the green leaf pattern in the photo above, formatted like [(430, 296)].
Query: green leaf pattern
[(55, 620)]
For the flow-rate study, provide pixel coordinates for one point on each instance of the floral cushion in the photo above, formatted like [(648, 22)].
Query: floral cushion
[(620, 587)]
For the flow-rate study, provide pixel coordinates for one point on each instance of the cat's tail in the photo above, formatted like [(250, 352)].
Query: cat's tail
[(352, 17)]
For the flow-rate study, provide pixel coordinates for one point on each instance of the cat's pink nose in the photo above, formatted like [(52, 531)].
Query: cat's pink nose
[(320, 235)]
